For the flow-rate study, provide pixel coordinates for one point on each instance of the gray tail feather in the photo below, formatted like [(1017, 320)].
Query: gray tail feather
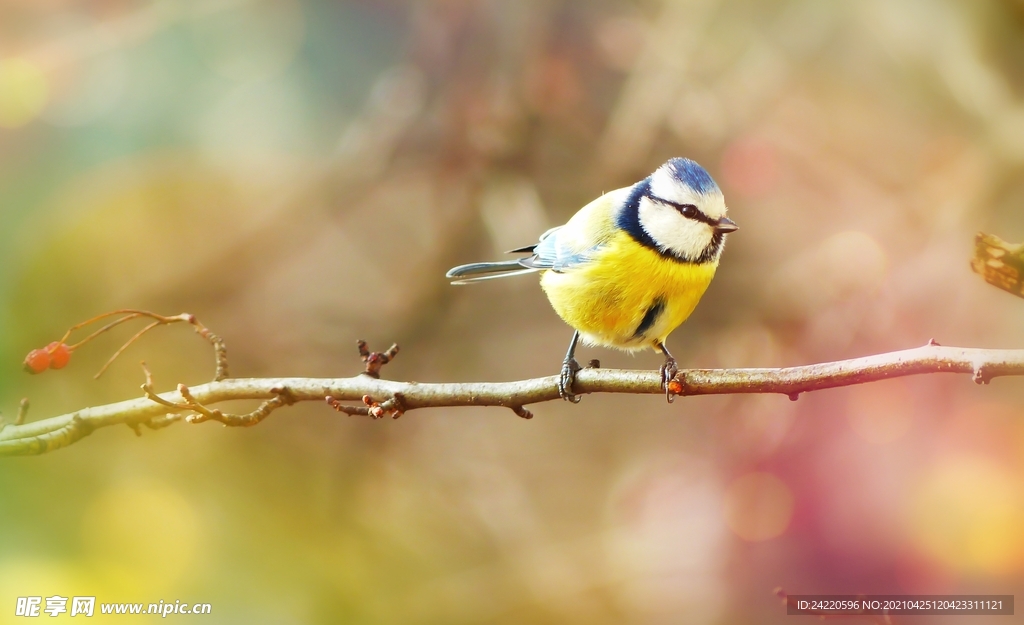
[(487, 271)]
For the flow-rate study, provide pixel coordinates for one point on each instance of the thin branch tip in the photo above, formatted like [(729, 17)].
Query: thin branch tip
[(351, 411), (375, 360), (23, 407), (522, 412), (57, 354)]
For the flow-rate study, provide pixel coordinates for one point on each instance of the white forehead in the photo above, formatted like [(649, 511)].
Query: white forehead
[(685, 182)]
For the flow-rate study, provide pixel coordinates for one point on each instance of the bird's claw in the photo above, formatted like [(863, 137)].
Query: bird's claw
[(566, 379), (668, 373)]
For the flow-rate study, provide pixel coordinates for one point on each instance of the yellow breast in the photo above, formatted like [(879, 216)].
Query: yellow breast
[(625, 286)]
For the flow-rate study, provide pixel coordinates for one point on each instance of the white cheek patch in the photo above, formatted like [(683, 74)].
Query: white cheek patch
[(673, 232)]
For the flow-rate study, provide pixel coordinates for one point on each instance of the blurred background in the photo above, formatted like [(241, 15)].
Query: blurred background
[(300, 174)]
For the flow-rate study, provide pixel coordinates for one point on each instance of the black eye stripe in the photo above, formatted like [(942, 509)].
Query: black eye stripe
[(629, 220), (683, 209)]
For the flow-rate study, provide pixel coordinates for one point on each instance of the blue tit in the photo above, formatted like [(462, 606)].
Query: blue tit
[(629, 267)]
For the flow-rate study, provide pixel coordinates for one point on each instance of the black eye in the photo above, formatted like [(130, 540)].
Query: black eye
[(688, 210)]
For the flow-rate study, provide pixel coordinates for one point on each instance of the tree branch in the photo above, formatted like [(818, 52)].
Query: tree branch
[(383, 397)]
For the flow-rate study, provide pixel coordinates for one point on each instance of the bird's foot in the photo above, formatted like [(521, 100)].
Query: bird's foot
[(566, 379), (668, 373)]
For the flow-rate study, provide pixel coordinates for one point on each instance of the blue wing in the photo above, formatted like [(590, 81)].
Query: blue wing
[(560, 249), (555, 253)]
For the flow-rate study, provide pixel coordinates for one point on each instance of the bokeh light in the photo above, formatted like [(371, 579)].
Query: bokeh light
[(131, 526), (758, 506), (23, 91), (967, 514)]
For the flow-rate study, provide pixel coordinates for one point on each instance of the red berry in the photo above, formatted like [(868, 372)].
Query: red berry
[(37, 361), (59, 355)]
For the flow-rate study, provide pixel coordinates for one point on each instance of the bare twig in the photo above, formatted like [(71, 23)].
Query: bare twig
[(95, 333), (127, 314), (522, 412), (386, 397), (352, 411), (127, 344), (188, 403), (378, 410), (22, 411), (375, 360)]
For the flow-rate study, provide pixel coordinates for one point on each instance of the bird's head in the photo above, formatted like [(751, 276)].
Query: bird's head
[(682, 211)]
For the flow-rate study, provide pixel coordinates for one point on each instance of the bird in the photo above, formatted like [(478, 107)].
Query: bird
[(629, 267)]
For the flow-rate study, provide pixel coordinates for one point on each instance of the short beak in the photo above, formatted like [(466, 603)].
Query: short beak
[(726, 225)]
